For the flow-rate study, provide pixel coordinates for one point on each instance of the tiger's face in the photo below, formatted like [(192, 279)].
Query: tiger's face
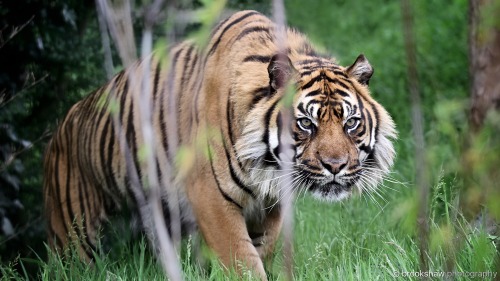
[(341, 135), (339, 141)]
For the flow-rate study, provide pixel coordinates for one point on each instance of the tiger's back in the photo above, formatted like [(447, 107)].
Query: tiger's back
[(86, 177)]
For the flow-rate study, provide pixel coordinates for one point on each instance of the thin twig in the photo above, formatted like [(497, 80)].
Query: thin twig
[(166, 250), (108, 58), (13, 32), (287, 204), (15, 154), (422, 179), (3, 102), (150, 207), (119, 22)]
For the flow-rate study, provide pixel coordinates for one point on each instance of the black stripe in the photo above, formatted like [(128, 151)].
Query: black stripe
[(340, 73), (214, 46), (95, 208), (156, 81), (370, 123), (85, 219), (313, 93), (309, 107), (119, 75), (196, 90), (67, 133), (362, 132), (338, 113), (174, 94), (83, 187), (342, 93), (85, 146), (172, 77), (224, 194), (192, 85), (310, 61), (337, 81), (132, 142), (110, 149), (233, 174), (227, 197), (301, 108), (58, 185), (258, 94), (375, 111), (363, 127), (110, 131), (79, 217), (254, 29), (268, 156), (312, 81), (218, 26), (182, 89), (229, 118), (365, 148), (159, 172), (123, 100), (163, 128), (193, 65), (257, 58), (307, 72), (173, 62), (106, 163), (361, 111), (187, 58), (279, 123)]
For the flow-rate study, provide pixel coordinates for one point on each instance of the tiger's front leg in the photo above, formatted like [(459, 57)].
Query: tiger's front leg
[(265, 234), (223, 227)]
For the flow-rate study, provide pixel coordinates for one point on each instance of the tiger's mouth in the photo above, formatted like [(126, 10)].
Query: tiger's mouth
[(334, 189)]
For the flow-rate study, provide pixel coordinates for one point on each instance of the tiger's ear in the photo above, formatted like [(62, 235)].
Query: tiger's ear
[(280, 69), (361, 70)]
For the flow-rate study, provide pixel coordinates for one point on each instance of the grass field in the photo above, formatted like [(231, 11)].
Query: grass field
[(356, 240), (372, 237)]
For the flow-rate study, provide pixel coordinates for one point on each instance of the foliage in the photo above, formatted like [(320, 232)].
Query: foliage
[(368, 238), (52, 59)]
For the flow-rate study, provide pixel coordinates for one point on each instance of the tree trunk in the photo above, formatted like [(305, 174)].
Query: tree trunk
[(480, 162), (484, 59)]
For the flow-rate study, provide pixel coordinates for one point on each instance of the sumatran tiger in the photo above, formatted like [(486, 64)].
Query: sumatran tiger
[(340, 138)]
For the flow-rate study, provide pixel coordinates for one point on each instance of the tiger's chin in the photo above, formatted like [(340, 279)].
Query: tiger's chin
[(332, 192)]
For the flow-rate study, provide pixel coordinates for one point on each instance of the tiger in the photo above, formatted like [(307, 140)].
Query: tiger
[(338, 141)]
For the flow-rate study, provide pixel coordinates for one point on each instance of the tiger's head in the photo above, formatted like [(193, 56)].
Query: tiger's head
[(340, 134)]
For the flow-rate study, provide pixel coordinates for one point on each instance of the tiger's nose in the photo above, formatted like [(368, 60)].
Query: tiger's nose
[(334, 165)]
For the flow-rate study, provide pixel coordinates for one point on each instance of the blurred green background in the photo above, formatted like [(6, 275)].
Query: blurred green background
[(56, 59)]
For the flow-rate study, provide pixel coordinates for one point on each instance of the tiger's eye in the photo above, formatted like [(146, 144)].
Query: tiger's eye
[(305, 123), (351, 122)]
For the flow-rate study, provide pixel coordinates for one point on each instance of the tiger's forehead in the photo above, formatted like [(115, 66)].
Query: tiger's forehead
[(326, 92)]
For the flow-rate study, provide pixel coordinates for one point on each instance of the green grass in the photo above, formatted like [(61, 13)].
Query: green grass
[(364, 238), (355, 240)]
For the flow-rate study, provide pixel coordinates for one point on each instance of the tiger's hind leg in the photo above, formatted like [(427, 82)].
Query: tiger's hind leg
[(74, 208)]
